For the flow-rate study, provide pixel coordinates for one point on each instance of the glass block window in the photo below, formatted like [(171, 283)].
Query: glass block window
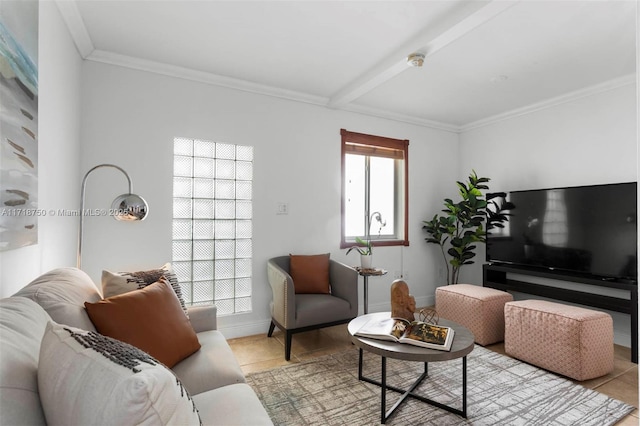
[(212, 223)]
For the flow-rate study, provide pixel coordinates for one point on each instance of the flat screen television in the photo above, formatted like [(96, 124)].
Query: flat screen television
[(586, 230)]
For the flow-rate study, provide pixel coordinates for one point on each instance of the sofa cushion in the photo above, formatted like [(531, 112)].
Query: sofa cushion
[(114, 283), (87, 378), (150, 319), (310, 274), (232, 405), (22, 324), (62, 293), (216, 359)]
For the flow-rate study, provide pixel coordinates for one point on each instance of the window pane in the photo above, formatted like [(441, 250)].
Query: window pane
[(182, 187), (202, 291), (203, 270), (182, 166), (182, 147), (225, 229), (224, 289), (182, 250), (203, 148), (203, 167), (243, 304), (354, 195), (181, 229), (202, 250), (225, 249), (202, 229), (203, 188), (382, 194), (244, 153)]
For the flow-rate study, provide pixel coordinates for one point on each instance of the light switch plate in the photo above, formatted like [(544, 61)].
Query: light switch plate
[(282, 208)]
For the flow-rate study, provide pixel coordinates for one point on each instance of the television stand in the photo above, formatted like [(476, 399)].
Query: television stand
[(495, 276)]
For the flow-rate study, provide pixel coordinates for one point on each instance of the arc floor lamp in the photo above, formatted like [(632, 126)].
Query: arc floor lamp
[(127, 207)]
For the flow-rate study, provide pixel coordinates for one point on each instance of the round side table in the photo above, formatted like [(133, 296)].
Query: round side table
[(366, 273)]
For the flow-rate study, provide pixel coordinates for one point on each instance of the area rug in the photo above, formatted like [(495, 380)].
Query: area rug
[(500, 391)]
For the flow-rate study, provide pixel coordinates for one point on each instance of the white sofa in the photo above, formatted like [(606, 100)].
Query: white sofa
[(212, 375)]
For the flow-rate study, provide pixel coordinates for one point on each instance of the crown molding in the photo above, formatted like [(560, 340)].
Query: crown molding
[(202, 77), (552, 102), (75, 24), (418, 121)]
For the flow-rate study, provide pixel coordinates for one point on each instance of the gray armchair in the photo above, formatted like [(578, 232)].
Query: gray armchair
[(294, 313)]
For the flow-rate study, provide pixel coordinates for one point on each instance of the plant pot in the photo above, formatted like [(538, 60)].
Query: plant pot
[(365, 261)]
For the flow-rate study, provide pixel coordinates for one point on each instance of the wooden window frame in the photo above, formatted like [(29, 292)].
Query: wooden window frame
[(378, 146)]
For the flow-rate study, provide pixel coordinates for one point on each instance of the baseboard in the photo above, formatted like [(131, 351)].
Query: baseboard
[(231, 331)]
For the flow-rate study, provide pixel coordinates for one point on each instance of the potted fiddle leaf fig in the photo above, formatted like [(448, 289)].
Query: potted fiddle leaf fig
[(462, 225)]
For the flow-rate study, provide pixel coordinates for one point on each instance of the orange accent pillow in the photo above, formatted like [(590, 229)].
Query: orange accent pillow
[(310, 274), (150, 319)]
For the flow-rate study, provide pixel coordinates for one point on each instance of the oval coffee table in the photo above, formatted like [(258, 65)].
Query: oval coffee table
[(461, 347)]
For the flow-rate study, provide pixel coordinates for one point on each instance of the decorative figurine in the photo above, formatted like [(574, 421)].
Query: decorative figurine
[(403, 305)]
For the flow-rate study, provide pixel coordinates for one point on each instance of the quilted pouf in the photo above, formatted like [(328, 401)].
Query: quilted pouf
[(480, 309), (568, 340)]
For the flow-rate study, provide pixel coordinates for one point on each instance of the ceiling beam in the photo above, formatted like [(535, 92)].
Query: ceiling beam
[(428, 42)]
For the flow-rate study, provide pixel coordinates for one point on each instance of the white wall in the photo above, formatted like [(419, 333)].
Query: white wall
[(130, 119), (591, 140), (58, 156)]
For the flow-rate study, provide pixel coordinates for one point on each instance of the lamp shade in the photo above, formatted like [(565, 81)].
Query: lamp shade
[(129, 207)]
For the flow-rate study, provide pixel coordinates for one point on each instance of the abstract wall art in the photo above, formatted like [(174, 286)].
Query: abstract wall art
[(18, 124)]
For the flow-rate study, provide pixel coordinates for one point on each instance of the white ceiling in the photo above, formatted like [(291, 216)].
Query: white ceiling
[(484, 59)]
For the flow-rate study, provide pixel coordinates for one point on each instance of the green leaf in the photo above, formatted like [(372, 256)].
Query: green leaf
[(453, 253), (475, 191)]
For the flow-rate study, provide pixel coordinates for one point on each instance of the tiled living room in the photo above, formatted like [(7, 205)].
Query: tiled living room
[(225, 134)]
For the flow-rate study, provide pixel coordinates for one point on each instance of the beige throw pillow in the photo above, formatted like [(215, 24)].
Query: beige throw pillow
[(85, 378), (114, 283)]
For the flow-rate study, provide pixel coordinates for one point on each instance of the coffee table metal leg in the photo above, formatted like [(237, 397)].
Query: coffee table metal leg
[(384, 415), (383, 390), (464, 387)]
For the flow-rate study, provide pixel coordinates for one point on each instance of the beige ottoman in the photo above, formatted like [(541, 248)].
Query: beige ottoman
[(568, 340), (480, 309)]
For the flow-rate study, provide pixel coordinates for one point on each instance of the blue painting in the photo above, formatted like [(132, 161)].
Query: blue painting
[(18, 124)]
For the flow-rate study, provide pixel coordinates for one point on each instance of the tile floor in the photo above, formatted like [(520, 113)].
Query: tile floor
[(256, 353)]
